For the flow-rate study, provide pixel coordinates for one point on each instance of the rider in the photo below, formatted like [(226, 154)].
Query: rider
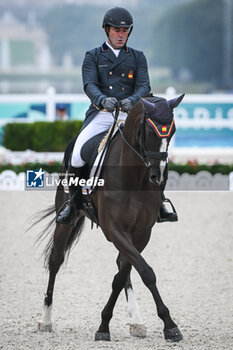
[(112, 74)]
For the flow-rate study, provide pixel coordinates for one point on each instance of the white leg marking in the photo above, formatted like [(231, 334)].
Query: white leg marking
[(133, 307), (46, 314), (45, 324)]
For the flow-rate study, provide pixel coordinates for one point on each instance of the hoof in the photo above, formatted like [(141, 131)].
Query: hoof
[(45, 327), (173, 334), (138, 330), (102, 336)]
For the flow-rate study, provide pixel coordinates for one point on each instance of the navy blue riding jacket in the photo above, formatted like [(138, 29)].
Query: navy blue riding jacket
[(105, 75)]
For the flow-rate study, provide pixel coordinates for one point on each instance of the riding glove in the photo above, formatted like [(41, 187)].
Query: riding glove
[(126, 105), (109, 103)]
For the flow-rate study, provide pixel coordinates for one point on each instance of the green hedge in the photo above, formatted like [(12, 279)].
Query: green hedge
[(40, 136), (194, 168), (51, 167), (180, 168)]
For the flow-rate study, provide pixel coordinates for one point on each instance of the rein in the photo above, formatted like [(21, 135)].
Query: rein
[(130, 146)]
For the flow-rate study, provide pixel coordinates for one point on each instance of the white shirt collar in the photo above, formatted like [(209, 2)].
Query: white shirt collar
[(115, 51)]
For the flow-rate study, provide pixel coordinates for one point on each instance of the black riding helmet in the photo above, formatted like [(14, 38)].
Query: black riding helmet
[(118, 17)]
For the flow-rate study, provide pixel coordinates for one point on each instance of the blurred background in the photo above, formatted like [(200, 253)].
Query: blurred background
[(188, 43), (189, 48)]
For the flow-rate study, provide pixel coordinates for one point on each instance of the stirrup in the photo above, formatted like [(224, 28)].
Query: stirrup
[(169, 201), (174, 213)]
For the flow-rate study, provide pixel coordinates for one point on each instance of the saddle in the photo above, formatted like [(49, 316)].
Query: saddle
[(89, 153)]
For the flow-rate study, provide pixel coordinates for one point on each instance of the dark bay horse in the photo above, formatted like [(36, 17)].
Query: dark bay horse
[(128, 205)]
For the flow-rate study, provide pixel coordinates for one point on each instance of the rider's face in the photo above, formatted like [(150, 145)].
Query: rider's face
[(118, 37)]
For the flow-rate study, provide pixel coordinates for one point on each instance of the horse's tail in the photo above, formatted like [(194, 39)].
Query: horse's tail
[(49, 230), (71, 242), (74, 237), (40, 216)]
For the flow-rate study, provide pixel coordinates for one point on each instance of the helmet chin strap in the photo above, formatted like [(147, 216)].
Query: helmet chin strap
[(107, 32)]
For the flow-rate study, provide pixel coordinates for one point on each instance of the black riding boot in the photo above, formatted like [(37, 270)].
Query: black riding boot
[(164, 214), (74, 204)]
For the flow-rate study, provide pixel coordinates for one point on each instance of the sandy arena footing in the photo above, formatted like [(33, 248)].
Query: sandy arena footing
[(192, 259)]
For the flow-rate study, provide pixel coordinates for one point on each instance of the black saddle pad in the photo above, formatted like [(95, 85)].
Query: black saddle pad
[(89, 150), (68, 151)]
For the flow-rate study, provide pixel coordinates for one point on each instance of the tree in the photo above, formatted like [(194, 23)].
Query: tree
[(76, 29), (73, 29), (190, 37)]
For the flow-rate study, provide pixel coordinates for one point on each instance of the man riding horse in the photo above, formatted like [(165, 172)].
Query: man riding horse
[(113, 75)]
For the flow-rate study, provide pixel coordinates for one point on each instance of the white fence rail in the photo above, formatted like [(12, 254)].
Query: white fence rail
[(210, 111), (198, 111), (50, 98)]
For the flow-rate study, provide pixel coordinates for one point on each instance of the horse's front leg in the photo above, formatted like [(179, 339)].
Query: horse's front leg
[(137, 327), (129, 251)]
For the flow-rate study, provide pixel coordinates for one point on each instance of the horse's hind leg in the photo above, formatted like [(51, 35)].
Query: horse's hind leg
[(118, 284), (56, 259), (137, 327)]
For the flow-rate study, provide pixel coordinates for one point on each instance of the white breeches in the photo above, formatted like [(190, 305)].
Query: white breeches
[(100, 123)]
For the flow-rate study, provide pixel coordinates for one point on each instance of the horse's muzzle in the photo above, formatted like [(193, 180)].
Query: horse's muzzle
[(154, 176)]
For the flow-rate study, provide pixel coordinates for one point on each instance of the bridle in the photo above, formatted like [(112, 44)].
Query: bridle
[(157, 155), (144, 154)]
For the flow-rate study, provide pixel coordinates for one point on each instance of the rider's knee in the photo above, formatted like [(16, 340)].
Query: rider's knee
[(76, 161)]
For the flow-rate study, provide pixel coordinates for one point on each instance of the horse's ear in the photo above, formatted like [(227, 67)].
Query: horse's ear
[(176, 101), (147, 106)]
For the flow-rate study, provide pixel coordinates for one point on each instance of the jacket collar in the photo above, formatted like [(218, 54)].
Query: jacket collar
[(123, 55), (105, 48)]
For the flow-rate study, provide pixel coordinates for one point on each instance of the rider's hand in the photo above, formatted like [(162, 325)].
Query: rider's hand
[(126, 105), (109, 103)]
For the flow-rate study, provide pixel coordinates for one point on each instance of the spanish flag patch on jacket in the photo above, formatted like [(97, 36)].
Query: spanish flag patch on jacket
[(130, 75)]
